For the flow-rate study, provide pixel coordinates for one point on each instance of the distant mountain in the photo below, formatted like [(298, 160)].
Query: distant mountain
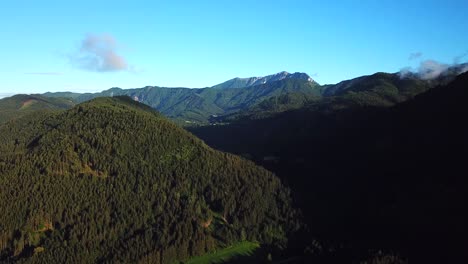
[(226, 101), (197, 106), (62, 95), (390, 87), (355, 170), (20, 105), (380, 89), (111, 180), (254, 81), (405, 84)]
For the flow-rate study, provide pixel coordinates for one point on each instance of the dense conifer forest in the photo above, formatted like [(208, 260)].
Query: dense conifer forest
[(111, 180), (234, 132), (374, 165)]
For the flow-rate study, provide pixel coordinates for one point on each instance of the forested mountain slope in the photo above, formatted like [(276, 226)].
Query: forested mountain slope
[(196, 106), (376, 90), (393, 86), (110, 180), (370, 178), (20, 105)]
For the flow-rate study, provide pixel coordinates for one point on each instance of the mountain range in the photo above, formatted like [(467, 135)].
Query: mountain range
[(203, 106), (196, 106), (369, 170)]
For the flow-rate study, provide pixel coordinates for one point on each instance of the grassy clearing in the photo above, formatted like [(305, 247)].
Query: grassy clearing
[(27, 103), (244, 248)]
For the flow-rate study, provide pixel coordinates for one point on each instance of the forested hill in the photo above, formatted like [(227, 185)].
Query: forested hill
[(110, 180), (21, 104)]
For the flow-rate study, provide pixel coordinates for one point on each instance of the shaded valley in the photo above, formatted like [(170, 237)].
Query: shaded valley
[(369, 178)]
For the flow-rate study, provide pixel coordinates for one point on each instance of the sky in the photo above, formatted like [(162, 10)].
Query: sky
[(90, 46)]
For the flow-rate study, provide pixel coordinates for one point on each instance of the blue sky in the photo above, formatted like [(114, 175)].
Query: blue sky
[(86, 46)]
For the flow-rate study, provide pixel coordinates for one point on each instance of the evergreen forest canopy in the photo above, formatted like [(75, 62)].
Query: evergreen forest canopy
[(375, 165), (111, 180)]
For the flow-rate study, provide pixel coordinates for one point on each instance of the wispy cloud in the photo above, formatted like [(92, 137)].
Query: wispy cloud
[(427, 70), (415, 55), (99, 53), (431, 69), (406, 71), (43, 73)]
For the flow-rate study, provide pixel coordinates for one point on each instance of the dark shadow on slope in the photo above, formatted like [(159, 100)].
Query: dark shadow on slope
[(371, 178)]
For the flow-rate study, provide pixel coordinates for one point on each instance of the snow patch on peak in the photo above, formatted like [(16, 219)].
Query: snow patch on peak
[(253, 81)]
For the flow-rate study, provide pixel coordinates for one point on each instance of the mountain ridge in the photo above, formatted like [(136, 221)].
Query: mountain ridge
[(191, 106), (19, 105), (253, 81), (197, 105)]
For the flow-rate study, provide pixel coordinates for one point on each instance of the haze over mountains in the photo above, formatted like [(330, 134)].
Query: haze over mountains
[(3, 95)]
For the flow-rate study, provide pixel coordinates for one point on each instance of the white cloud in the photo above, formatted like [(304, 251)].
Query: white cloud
[(99, 53), (431, 69)]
